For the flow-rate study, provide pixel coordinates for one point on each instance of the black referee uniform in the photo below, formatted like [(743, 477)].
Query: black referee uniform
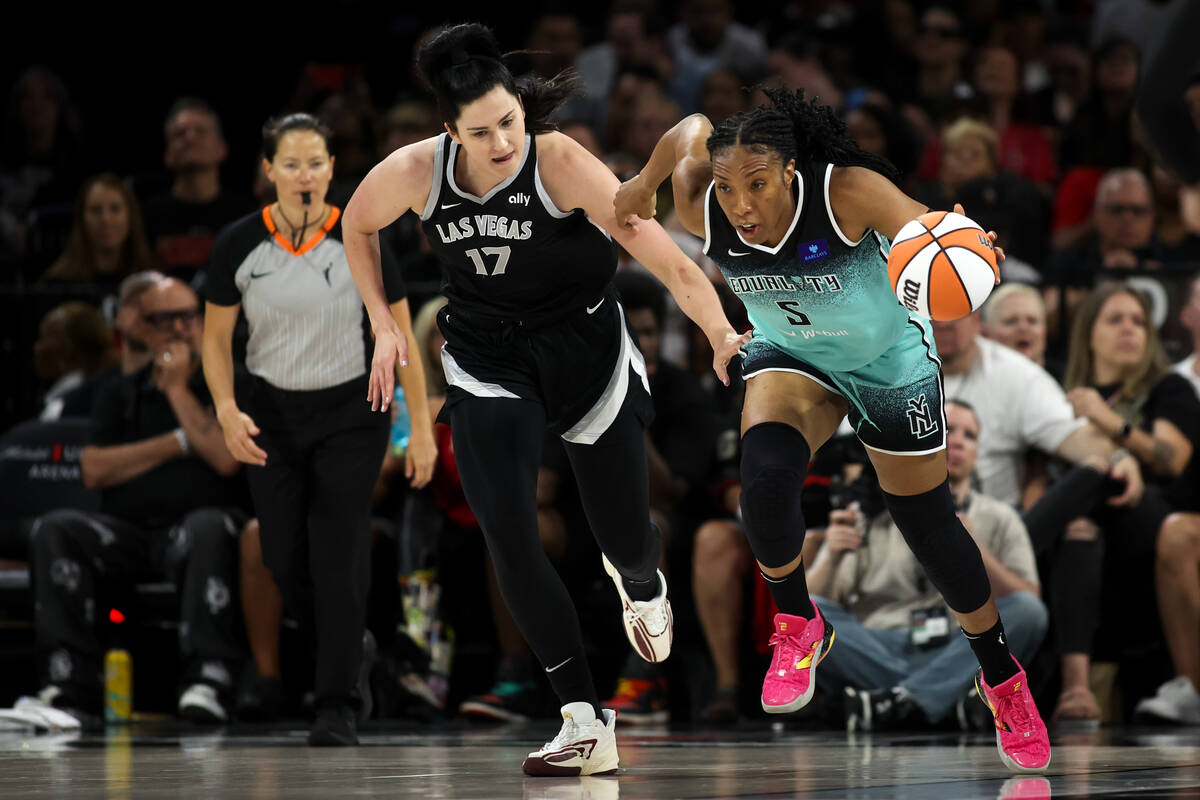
[(536, 338), (308, 352)]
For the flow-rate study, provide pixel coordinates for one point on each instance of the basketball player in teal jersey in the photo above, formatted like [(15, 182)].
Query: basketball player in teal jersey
[(799, 220)]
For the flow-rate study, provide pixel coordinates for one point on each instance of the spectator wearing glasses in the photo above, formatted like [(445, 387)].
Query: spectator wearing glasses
[(1124, 241), (171, 506)]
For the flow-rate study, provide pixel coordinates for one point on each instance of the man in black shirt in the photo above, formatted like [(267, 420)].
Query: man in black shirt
[(183, 222), (171, 505)]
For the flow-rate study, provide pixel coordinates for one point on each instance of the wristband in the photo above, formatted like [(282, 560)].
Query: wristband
[(181, 437), (1126, 429)]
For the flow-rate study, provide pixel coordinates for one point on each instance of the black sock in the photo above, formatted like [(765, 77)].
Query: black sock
[(790, 592), (992, 652), (641, 590)]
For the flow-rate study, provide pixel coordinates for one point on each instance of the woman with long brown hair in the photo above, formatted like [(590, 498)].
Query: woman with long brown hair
[(1118, 378), (107, 240)]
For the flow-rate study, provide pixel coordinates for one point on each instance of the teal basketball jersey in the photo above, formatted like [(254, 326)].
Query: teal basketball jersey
[(816, 295)]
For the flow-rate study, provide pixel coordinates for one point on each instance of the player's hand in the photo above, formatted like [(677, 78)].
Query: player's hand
[(724, 352), (391, 346), (420, 457), (999, 251), (1128, 472), (843, 535), (239, 431), (634, 199)]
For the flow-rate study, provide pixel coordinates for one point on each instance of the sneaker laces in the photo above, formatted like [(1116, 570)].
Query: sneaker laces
[(567, 734), (1016, 710), (653, 613), (788, 646)]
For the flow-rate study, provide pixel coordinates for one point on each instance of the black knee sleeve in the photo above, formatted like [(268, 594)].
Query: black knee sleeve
[(938, 539), (774, 463)]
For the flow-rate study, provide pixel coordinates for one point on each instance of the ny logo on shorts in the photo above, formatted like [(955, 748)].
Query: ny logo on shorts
[(920, 419)]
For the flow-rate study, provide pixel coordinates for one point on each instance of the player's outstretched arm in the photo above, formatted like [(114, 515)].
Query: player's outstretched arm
[(400, 182), (682, 154), (575, 178)]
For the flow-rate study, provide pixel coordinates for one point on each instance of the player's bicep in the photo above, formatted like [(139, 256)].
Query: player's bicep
[(862, 198), (689, 183)]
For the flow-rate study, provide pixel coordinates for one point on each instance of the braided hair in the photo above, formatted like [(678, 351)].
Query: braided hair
[(799, 129), (463, 63)]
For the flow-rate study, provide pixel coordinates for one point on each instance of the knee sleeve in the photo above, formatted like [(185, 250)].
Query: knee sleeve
[(938, 539), (774, 463)]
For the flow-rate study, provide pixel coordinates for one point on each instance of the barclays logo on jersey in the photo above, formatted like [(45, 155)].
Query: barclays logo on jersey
[(812, 251)]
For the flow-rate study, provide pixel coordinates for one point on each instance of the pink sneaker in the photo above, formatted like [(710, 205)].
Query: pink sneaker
[(799, 644), (1020, 733)]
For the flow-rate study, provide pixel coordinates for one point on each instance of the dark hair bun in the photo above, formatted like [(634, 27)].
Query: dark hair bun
[(454, 47)]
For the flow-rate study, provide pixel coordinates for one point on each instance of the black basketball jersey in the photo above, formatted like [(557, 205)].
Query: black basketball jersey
[(512, 255)]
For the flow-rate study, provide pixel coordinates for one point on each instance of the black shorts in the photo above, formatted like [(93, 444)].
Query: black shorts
[(582, 368)]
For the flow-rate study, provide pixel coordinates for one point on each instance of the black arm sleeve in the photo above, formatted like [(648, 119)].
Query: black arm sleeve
[(1160, 105)]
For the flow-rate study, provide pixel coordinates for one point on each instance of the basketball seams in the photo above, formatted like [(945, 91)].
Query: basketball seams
[(916, 262)]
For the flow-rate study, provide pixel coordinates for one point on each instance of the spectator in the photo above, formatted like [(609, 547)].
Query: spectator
[(107, 240), (171, 506), (796, 63), (880, 130), (407, 122), (679, 448), (1189, 315), (1176, 225), (632, 86), (1023, 149), (1118, 379), (1021, 408), (1098, 136), (583, 133), (635, 35), (707, 38), (897, 654), (183, 223), (1069, 67), (723, 94), (1124, 240), (940, 48), (1000, 201), (1014, 316), (131, 325), (555, 42), (74, 345), (40, 156)]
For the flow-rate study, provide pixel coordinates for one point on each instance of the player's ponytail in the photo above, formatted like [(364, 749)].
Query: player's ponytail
[(793, 127), (463, 63)]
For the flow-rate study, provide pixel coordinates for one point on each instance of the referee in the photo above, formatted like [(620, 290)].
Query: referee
[(314, 446)]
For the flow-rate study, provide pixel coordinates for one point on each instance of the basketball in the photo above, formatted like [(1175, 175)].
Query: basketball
[(942, 266)]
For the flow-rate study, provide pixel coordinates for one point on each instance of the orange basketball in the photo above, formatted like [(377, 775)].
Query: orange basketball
[(942, 266)]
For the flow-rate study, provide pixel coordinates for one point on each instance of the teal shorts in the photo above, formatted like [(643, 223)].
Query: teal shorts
[(896, 401)]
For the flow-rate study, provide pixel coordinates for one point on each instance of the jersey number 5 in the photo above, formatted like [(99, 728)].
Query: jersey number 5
[(501, 262), (794, 315)]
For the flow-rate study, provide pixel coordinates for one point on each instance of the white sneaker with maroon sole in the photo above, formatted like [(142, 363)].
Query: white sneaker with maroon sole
[(584, 745), (648, 623)]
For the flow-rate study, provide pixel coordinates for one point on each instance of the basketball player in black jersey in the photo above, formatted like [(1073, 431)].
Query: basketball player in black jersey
[(521, 218), (799, 219)]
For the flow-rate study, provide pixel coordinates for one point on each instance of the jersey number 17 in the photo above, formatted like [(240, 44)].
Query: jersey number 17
[(502, 254)]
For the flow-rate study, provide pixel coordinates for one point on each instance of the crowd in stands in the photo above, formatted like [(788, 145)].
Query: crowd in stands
[(1023, 112)]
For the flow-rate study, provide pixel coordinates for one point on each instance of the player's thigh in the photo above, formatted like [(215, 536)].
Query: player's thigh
[(793, 399), (909, 474)]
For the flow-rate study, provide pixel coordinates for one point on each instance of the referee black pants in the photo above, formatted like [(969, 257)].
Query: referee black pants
[(81, 564), (324, 450)]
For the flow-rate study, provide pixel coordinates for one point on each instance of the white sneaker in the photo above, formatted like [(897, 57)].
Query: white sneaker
[(647, 623), (1175, 701), (584, 745), (199, 703)]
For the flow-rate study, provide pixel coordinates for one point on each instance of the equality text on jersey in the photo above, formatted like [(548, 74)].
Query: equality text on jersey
[(752, 284), (485, 225)]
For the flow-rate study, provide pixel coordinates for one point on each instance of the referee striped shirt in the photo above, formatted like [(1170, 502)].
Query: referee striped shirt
[(308, 327)]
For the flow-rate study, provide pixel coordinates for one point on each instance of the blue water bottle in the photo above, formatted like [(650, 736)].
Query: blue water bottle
[(401, 423)]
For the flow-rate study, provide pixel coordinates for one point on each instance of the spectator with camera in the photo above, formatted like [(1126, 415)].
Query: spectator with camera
[(897, 660)]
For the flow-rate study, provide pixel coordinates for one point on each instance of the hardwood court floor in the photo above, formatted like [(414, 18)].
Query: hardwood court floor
[(755, 760)]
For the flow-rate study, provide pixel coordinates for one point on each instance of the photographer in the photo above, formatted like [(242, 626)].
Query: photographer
[(897, 660)]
